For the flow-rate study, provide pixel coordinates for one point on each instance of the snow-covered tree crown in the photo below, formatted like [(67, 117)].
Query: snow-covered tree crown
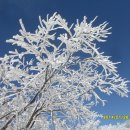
[(53, 82), (94, 125)]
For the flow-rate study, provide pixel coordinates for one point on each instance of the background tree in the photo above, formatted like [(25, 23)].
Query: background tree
[(94, 125), (51, 80), (118, 126)]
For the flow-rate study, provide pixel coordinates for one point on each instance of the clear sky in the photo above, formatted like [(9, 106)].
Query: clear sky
[(116, 12)]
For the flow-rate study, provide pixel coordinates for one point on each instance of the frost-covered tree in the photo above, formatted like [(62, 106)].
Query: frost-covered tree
[(50, 81), (118, 126), (94, 125)]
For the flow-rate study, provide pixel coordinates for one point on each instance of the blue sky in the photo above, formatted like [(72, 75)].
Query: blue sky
[(116, 12)]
